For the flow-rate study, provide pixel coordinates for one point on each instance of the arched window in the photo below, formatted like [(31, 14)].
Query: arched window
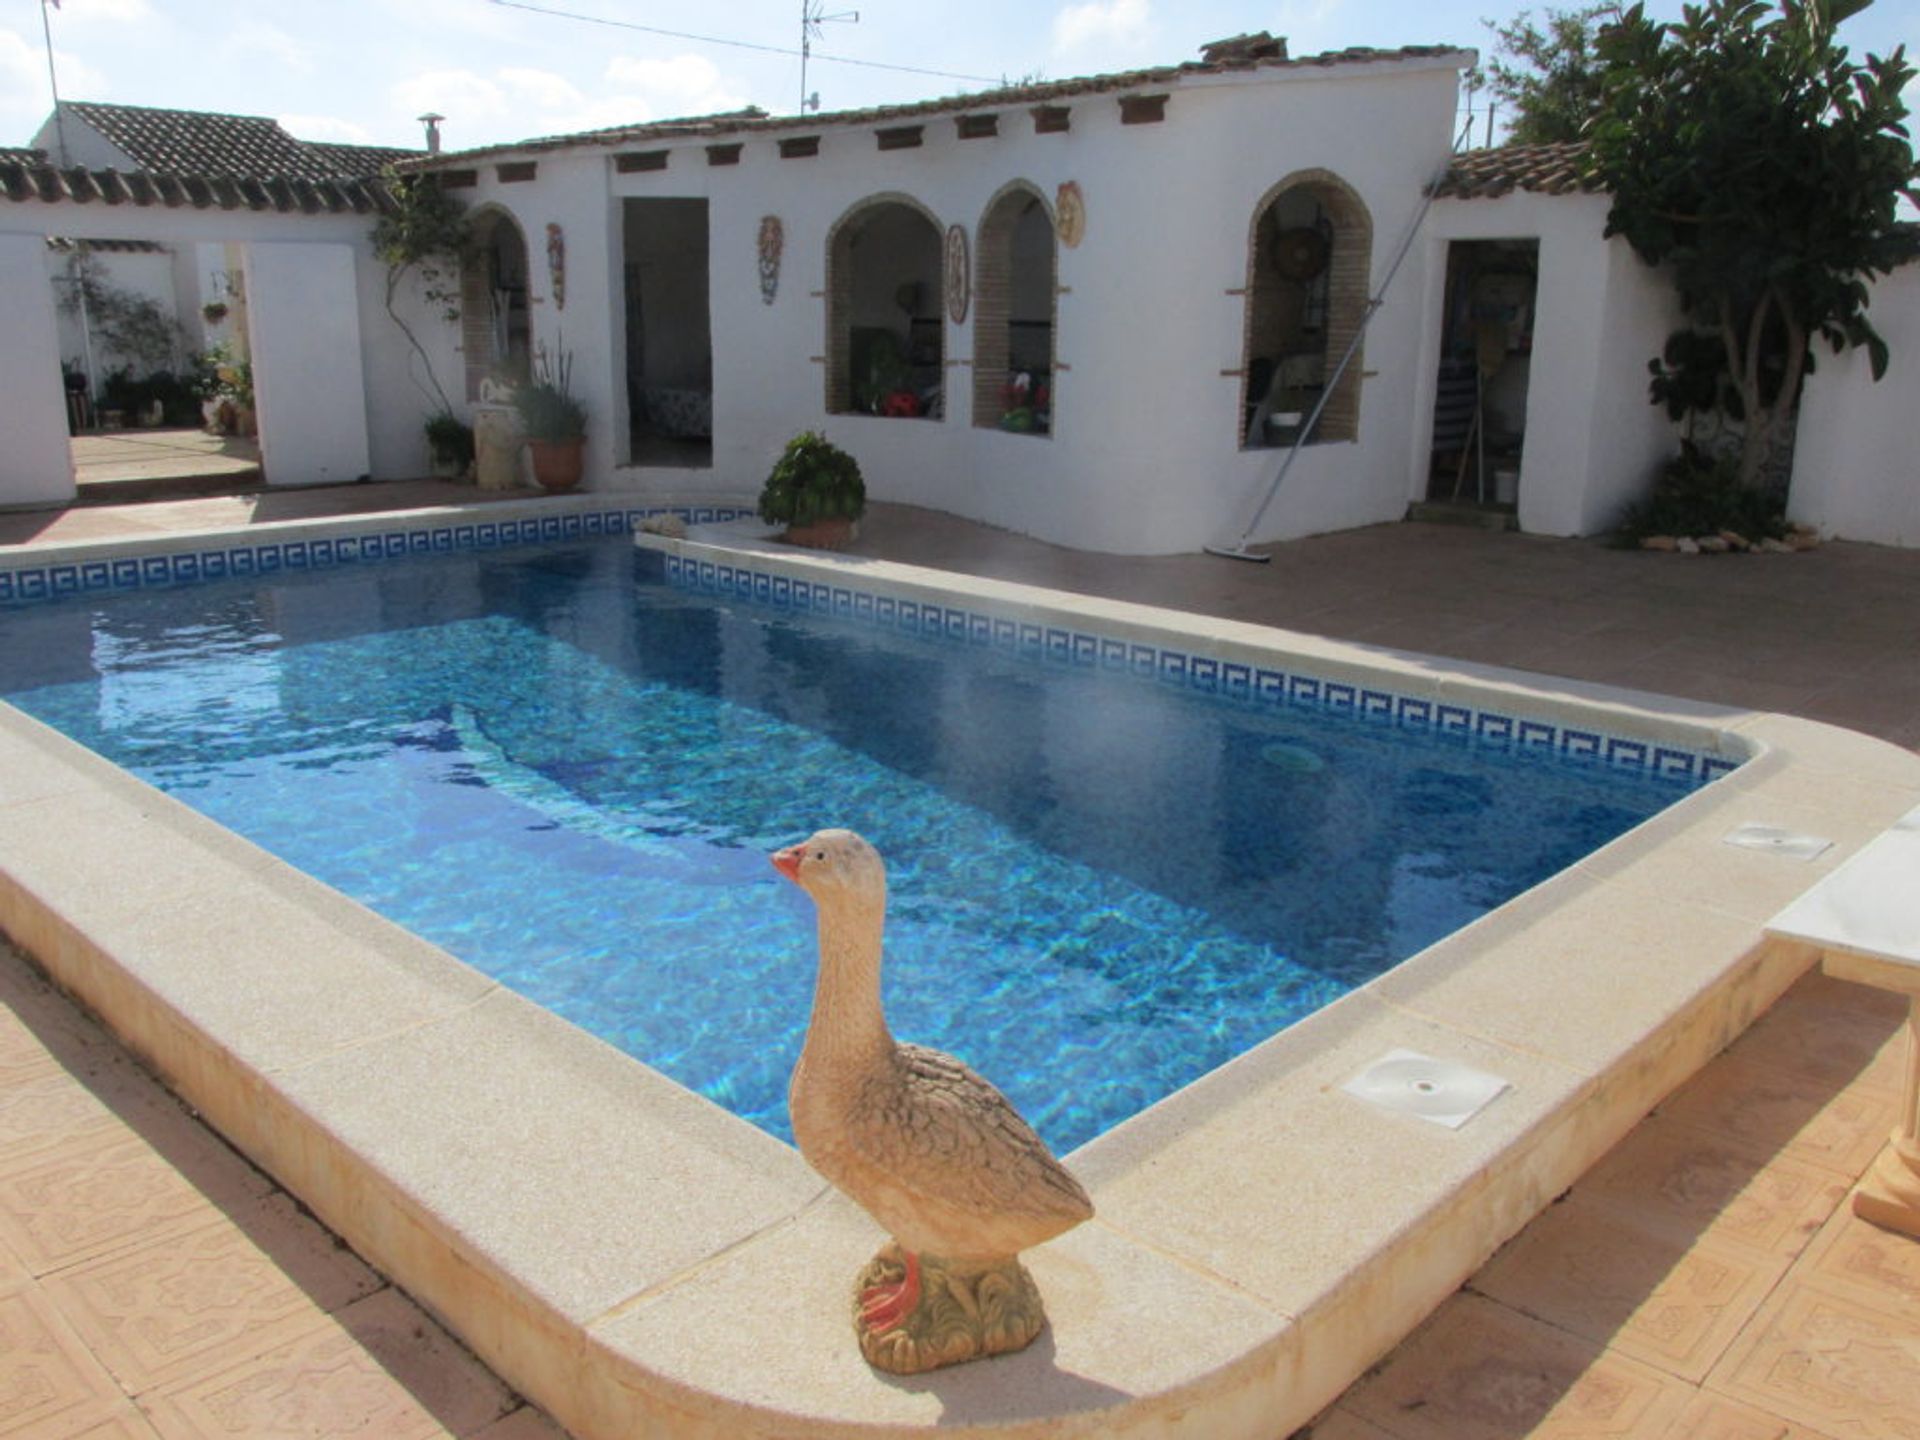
[(1013, 300), (1306, 297), (495, 326), (885, 288)]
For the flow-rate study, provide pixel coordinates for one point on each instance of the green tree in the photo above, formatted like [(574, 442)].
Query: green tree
[(1746, 151), (1549, 81), (424, 233)]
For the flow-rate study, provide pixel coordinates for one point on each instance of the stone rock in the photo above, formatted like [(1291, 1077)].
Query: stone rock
[(1658, 542), (1735, 540), (1803, 540), (1686, 546), (1712, 545), (667, 524), (1774, 547)]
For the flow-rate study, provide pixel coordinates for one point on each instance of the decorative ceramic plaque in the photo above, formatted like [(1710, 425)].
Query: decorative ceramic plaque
[(959, 274), (772, 241), (1070, 214), (557, 265)]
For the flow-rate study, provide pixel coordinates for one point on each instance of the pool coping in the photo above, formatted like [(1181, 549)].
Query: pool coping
[(1260, 1239)]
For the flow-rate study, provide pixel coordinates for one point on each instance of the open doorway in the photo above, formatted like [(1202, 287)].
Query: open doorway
[(156, 368), (886, 336), (1486, 359), (669, 333)]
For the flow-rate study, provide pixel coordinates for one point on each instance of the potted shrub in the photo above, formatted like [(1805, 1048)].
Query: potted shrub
[(450, 442), (554, 422), (815, 490)]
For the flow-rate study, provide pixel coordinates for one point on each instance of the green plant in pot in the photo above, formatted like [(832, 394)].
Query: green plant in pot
[(816, 491), (555, 423), (450, 442)]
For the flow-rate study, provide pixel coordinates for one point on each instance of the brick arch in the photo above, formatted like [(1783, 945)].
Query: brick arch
[(993, 289), (1320, 316), (479, 341), (842, 237)]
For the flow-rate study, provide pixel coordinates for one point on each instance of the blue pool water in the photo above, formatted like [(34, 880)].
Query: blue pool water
[(570, 776)]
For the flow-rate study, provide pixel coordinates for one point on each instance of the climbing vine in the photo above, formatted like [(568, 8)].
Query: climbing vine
[(423, 237)]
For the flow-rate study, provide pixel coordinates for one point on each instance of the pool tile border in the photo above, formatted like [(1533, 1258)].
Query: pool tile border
[(144, 564), (1183, 669)]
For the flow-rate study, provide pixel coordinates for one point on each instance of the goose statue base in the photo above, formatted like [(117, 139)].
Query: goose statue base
[(963, 1310)]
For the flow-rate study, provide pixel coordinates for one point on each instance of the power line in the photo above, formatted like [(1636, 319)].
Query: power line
[(737, 44)]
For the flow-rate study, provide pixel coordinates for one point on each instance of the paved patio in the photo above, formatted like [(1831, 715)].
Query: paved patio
[(1706, 1279)]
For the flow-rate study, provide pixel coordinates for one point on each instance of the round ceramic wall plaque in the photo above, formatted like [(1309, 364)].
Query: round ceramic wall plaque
[(959, 275), (1070, 214)]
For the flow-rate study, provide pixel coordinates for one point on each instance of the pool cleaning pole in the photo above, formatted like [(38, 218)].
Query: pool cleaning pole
[(1238, 549)]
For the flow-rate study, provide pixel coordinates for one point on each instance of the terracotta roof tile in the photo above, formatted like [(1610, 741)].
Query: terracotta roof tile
[(1235, 58), (205, 142), (1543, 169), (79, 185)]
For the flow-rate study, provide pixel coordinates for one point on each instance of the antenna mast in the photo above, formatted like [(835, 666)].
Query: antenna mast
[(811, 19)]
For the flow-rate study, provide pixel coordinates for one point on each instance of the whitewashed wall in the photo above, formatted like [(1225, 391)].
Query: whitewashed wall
[(394, 406), (35, 465), (146, 275), (1144, 456), (1856, 469), (1593, 440)]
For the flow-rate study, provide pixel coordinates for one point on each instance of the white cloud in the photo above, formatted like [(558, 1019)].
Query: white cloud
[(1103, 23), (244, 39), (25, 100), (683, 85), (458, 94), (542, 88), (325, 127), (119, 12)]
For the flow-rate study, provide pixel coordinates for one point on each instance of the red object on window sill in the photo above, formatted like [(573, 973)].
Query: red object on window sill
[(901, 403)]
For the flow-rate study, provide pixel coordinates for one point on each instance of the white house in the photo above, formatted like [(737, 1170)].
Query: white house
[(1098, 311)]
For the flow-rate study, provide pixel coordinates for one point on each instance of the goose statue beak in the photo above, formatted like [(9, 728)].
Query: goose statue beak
[(787, 861)]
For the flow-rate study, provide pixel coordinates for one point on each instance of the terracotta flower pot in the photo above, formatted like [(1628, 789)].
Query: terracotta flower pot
[(557, 463), (833, 533)]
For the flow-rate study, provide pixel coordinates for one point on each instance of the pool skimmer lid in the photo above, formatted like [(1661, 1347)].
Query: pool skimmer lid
[(1441, 1091), (1777, 841)]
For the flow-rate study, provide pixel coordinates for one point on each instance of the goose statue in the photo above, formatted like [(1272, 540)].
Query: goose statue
[(930, 1150)]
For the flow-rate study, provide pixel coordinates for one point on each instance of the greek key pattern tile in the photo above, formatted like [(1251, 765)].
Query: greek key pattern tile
[(28, 580), (1229, 680)]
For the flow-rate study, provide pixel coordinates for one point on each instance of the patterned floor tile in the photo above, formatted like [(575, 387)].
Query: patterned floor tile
[(1479, 1371), (198, 1302), (1602, 1277), (125, 1423), (1832, 1031), (49, 1384), (379, 1369), (1762, 1105), (1683, 1182), (86, 1198), (40, 1111), (1712, 1417), (1865, 1263), (1829, 1363)]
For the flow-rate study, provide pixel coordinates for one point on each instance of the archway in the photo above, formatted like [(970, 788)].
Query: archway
[(886, 340), (1013, 315), (1307, 272), (495, 323)]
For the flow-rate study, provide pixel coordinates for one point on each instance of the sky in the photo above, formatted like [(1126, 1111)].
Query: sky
[(363, 70)]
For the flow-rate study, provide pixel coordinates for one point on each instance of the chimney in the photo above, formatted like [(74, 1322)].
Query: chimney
[(432, 122)]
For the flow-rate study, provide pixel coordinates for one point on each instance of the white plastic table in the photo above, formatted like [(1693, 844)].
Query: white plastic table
[(1865, 920)]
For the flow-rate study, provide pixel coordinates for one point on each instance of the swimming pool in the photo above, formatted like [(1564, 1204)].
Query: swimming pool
[(568, 774), (639, 1260)]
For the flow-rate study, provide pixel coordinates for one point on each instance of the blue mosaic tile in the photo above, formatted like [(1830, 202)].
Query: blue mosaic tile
[(1410, 710), (842, 601), (1628, 754), (1579, 744), (1143, 660), (32, 584), (1534, 735), (1672, 764), (1492, 729), (98, 575), (1203, 674), (1271, 685), (1712, 767), (1113, 653), (1172, 667), (63, 579), (1303, 690), (1005, 634), (1032, 639), (1086, 649), (1453, 720), (979, 630), (1337, 695), (1376, 705)]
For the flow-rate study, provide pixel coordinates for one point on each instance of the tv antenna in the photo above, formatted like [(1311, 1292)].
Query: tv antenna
[(811, 19)]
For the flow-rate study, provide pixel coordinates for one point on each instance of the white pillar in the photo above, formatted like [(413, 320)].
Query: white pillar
[(303, 324), (36, 462)]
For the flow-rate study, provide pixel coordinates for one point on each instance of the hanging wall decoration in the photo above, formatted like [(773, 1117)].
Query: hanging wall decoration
[(557, 265), (772, 241), (1070, 214), (959, 275)]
